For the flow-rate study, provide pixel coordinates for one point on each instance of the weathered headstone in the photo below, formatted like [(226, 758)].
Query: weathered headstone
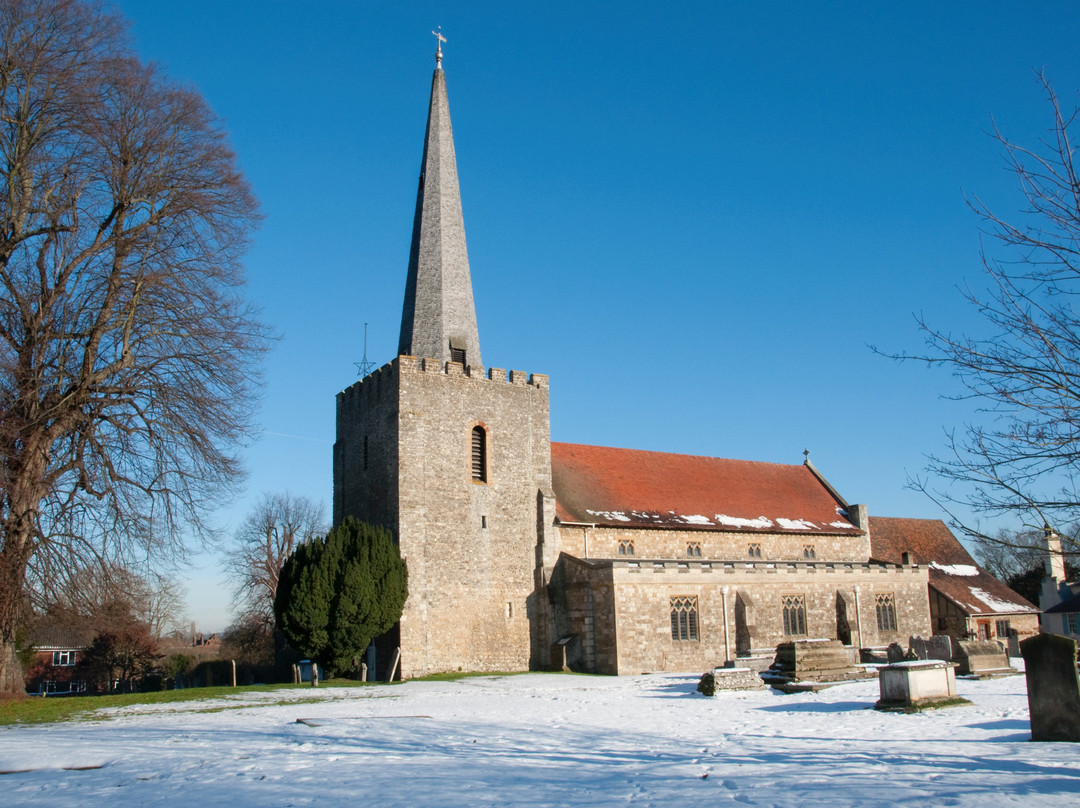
[(895, 652), (917, 646), (1014, 645), (1053, 687), (939, 646)]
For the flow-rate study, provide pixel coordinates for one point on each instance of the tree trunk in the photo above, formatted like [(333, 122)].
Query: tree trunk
[(11, 673)]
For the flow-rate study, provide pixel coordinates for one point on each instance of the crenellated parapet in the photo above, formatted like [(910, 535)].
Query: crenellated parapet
[(426, 365)]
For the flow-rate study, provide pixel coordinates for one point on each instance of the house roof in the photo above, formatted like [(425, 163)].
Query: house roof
[(51, 637), (953, 572), (1071, 605), (634, 488)]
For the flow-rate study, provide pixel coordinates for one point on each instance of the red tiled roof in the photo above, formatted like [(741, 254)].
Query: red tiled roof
[(633, 488), (953, 572)]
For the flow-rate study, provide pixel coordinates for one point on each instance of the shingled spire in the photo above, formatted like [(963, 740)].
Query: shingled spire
[(439, 319)]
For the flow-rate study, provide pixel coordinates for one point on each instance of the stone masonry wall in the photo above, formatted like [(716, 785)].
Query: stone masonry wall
[(643, 592), (366, 450), (603, 542), (471, 547)]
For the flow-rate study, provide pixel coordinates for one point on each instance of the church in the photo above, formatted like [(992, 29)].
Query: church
[(528, 554)]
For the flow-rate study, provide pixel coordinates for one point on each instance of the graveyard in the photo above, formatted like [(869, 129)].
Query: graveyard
[(548, 739)]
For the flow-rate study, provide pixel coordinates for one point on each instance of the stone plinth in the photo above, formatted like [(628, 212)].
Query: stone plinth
[(738, 679), (805, 664), (909, 686)]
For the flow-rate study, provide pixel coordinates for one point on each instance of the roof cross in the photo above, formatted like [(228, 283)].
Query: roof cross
[(441, 39)]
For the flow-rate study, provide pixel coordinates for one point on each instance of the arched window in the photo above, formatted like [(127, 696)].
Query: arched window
[(479, 455)]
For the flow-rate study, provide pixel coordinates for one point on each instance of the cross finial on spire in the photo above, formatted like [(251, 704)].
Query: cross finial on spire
[(806, 455), (438, 51)]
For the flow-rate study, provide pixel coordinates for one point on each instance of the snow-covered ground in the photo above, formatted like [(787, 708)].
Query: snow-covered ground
[(544, 739)]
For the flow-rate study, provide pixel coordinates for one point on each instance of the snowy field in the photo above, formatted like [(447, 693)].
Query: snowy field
[(545, 739)]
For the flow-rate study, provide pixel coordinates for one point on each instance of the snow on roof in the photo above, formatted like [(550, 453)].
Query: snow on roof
[(968, 570), (629, 487), (953, 572)]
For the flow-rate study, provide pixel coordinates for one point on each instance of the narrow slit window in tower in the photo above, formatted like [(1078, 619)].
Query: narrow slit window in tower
[(479, 455)]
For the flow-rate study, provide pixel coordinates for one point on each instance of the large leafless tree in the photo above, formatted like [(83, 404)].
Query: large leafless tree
[(127, 355), (1021, 459), (274, 528)]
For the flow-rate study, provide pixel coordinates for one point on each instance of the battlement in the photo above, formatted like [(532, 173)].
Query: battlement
[(414, 364)]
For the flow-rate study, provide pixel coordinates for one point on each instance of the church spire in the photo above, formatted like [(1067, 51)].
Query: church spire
[(438, 319)]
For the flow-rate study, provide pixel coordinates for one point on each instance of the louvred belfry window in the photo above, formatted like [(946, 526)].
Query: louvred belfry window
[(479, 455)]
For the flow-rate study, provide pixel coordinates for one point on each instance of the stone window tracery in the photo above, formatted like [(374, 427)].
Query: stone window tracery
[(693, 549), (626, 547), (684, 618), (886, 612), (794, 607), (808, 552), (753, 550)]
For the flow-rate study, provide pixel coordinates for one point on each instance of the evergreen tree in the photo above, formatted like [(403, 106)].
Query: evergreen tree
[(336, 594)]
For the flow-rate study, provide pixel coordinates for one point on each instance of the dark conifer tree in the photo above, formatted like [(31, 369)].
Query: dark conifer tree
[(335, 595)]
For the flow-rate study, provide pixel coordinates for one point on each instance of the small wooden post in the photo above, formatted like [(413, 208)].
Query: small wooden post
[(395, 660), (314, 674), (233, 661)]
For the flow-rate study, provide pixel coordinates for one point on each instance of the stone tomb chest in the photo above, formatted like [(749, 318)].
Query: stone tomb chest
[(981, 658), (917, 683), (814, 662)]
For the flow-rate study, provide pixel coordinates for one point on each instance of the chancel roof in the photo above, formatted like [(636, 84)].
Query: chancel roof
[(634, 488), (953, 572)]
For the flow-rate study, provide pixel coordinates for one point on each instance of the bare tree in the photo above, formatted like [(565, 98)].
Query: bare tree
[(128, 359), (154, 600), (275, 527), (1023, 459)]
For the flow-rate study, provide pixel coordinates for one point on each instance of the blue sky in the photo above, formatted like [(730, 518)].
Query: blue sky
[(696, 218)]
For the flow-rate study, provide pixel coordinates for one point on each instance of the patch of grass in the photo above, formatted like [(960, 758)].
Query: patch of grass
[(453, 676), (920, 706), (38, 710)]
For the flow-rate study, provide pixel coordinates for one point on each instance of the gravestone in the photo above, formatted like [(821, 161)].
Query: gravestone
[(939, 646), (917, 646), (1053, 687), (1014, 645), (895, 652)]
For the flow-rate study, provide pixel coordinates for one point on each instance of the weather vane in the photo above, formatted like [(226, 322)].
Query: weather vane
[(438, 52)]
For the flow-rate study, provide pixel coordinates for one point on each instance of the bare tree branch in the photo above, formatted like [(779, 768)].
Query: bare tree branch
[(275, 527), (128, 358), (1022, 460)]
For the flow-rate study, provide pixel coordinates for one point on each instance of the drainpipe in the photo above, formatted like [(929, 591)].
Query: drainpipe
[(858, 617), (727, 645)]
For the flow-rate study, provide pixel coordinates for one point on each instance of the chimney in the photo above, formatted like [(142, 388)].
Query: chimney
[(1055, 570)]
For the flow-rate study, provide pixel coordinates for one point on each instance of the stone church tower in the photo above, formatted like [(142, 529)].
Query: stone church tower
[(456, 462)]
